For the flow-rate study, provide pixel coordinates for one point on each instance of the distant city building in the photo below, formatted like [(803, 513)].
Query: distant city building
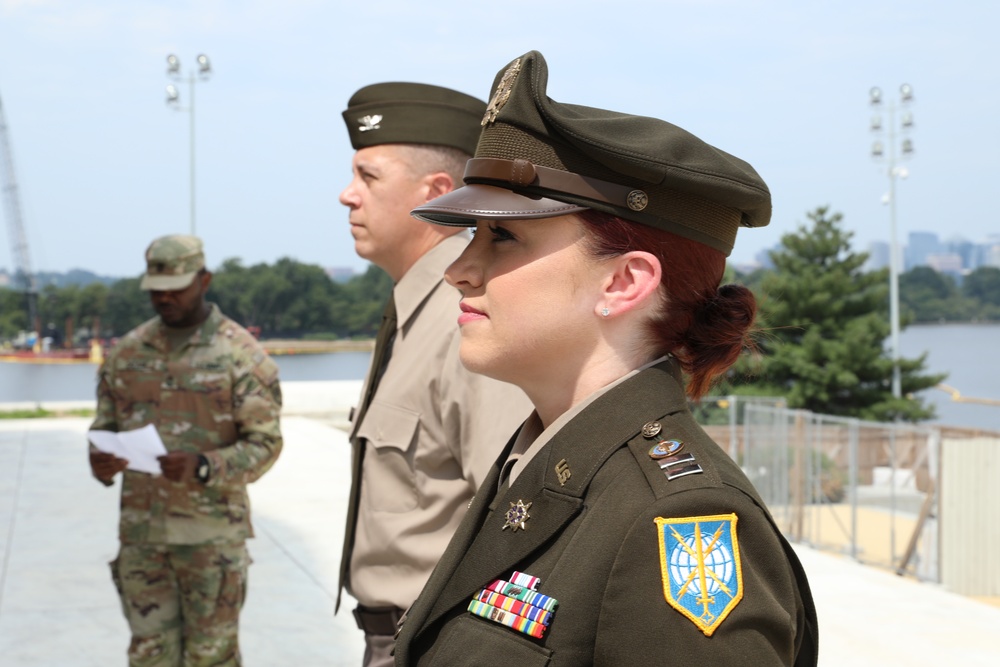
[(991, 253), (340, 274), (763, 257), (878, 256), (966, 250), (4, 278), (947, 262), (920, 246)]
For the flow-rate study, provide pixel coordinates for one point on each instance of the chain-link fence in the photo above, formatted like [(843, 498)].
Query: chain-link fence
[(865, 489)]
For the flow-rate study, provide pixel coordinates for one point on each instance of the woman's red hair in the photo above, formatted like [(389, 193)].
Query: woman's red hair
[(704, 326)]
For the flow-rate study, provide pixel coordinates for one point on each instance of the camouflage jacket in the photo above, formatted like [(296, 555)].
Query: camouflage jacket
[(218, 395)]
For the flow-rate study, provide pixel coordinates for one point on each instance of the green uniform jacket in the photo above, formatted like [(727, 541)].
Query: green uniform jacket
[(594, 543), (218, 395)]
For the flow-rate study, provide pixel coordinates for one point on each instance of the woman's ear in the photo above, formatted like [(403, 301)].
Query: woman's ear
[(631, 284)]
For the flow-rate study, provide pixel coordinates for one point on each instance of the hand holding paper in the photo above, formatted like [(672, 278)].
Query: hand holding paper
[(139, 447)]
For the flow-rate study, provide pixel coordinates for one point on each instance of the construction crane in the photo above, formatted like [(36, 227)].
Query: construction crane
[(23, 276)]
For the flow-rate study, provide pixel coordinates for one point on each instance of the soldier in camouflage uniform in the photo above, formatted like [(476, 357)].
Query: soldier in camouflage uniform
[(213, 395)]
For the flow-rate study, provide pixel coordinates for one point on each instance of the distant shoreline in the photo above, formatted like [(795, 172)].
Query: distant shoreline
[(283, 347)]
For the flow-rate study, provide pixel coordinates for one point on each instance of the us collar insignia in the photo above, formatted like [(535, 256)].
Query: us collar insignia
[(700, 567), (563, 472), (516, 604), (516, 516), (502, 93), (369, 123), (665, 448)]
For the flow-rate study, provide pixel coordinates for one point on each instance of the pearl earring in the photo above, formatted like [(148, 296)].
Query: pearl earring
[(605, 312)]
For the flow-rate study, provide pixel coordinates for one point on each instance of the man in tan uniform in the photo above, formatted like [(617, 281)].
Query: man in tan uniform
[(426, 429)]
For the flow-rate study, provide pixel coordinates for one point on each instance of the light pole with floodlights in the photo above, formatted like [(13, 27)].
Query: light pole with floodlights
[(204, 70), (879, 151)]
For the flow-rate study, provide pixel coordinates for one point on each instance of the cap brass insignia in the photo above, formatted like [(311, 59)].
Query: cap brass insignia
[(637, 200), (369, 123), (516, 516), (502, 93)]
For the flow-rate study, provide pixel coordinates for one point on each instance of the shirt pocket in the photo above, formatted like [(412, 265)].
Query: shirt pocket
[(470, 640), (389, 481)]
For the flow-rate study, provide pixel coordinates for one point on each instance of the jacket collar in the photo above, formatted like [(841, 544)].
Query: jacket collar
[(155, 334), (482, 550), (424, 277)]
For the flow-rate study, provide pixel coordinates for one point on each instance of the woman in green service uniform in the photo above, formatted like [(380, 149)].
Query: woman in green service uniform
[(611, 530)]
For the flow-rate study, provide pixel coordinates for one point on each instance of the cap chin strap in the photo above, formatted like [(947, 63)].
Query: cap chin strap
[(521, 174)]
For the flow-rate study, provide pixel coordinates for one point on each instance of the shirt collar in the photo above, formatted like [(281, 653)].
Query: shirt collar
[(424, 276), (531, 438)]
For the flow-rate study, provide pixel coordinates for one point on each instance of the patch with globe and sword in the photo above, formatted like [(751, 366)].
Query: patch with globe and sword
[(700, 567)]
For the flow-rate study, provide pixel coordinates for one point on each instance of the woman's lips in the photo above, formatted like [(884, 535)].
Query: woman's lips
[(469, 314)]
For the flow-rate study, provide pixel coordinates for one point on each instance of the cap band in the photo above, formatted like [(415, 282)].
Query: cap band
[(524, 174)]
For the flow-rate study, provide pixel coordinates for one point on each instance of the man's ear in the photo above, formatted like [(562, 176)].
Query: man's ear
[(631, 284), (439, 183)]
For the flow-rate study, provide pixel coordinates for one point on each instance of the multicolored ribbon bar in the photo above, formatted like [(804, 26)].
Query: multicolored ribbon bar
[(514, 606), (519, 623), (525, 580), (533, 598)]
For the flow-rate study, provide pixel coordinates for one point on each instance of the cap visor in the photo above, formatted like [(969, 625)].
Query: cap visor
[(166, 283), (464, 206)]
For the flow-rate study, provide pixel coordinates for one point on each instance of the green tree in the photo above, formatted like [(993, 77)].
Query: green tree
[(982, 286), (928, 296), (127, 307), (826, 322), (364, 301), (13, 313)]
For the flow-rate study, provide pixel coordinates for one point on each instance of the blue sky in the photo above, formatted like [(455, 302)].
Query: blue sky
[(102, 162)]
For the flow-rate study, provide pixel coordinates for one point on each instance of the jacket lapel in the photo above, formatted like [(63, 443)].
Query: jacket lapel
[(487, 550), (460, 542)]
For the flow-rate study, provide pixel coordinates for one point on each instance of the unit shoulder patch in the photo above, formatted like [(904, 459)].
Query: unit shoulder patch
[(700, 567)]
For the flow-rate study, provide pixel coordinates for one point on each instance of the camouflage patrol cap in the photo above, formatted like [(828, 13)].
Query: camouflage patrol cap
[(538, 158), (413, 113), (172, 262)]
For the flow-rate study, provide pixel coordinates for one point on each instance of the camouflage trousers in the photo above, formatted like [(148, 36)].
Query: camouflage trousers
[(182, 602)]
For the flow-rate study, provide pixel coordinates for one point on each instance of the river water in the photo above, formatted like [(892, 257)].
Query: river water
[(967, 352)]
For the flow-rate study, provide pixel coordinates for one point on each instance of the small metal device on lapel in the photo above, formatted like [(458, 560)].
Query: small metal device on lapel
[(516, 516), (563, 471), (665, 448), (651, 429)]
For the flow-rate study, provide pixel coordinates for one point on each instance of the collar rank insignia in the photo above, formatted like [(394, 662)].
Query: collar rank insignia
[(369, 123), (700, 567), (516, 516), (516, 604)]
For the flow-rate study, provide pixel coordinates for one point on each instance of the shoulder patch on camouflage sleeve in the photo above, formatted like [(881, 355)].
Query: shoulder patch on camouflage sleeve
[(700, 566)]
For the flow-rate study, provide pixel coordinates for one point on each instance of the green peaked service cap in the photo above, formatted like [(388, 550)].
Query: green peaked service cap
[(413, 113), (538, 158)]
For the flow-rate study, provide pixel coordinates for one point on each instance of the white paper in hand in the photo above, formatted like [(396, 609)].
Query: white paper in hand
[(139, 447)]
